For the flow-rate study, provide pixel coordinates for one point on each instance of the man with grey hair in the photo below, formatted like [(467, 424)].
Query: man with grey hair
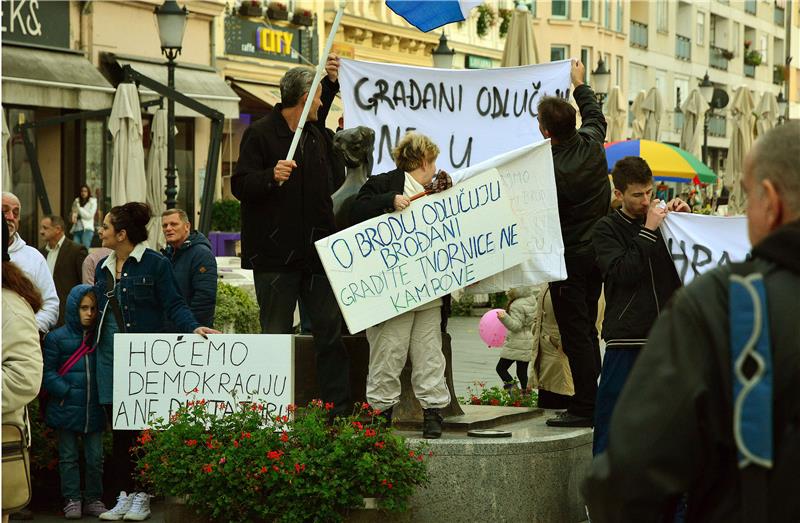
[(286, 207), (32, 263), (676, 428)]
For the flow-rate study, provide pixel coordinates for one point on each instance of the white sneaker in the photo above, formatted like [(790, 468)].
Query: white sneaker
[(140, 509), (123, 505)]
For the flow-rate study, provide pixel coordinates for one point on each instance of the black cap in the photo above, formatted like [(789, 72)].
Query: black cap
[(6, 238)]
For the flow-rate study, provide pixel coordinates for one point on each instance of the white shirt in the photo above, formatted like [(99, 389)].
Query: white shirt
[(111, 261), (34, 266), (412, 187), (52, 254)]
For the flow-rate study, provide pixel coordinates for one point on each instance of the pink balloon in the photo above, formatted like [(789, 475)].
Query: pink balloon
[(492, 330)]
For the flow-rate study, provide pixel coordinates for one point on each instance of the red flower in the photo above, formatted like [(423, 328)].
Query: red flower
[(263, 468), (222, 460), (358, 425), (369, 433), (207, 468), (191, 442), (475, 400), (275, 454), (376, 412), (236, 443), (246, 435), (145, 437), (411, 453), (365, 406), (275, 468), (284, 437), (494, 401), (517, 403), (379, 444), (299, 467), (328, 406)]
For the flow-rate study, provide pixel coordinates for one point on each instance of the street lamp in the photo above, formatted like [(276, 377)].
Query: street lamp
[(781, 108), (707, 91), (171, 22), (601, 77), (443, 55)]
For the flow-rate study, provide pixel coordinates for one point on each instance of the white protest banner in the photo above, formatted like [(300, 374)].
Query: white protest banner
[(154, 374), (699, 243), (472, 114), (528, 174), (395, 262)]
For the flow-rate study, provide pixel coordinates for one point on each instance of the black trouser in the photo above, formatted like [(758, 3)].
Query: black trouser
[(552, 400), (522, 371), (277, 294), (575, 307), (120, 470)]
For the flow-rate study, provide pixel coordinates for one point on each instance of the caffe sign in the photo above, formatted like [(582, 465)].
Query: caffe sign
[(247, 38), (36, 22)]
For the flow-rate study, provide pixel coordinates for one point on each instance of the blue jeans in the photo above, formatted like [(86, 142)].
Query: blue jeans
[(68, 467), (277, 294), (83, 237), (617, 366)]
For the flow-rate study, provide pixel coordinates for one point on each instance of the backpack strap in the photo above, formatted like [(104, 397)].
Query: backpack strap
[(111, 294), (752, 372)]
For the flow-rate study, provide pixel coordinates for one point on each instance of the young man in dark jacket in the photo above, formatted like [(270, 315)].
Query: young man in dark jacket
[(193, 263), (286, 207), (677, 434), (639, 278), (584, 196)]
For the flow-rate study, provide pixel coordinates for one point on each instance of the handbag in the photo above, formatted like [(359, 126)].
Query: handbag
[(16, 468)]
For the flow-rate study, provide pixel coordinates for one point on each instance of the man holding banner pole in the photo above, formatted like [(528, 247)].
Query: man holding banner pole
[(584, 196), (286, 207)]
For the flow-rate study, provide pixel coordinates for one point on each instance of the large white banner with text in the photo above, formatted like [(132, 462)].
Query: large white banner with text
[(699, 243), (471, 114), (154, 374)]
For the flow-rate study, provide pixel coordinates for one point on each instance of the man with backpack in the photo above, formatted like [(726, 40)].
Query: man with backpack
[(716, 414)]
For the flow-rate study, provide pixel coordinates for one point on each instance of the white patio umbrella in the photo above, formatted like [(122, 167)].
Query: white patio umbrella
[(653, 107), (743, 121), (155, 173), (520, 48), (6, 170), (694, 110), (617, 111), (767, 113), (127, 167), (639, 116)]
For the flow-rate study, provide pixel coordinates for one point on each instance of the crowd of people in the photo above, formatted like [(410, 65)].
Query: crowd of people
[(663, 413)]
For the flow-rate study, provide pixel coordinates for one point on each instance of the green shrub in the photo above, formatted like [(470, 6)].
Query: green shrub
[(226, 216), (462, 306), (236, 312), (498, 300)]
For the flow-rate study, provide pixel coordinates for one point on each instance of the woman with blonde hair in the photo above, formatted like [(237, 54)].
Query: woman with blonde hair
[(415, 334)]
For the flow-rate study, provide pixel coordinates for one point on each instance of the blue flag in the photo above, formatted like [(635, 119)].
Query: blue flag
[(426, 15)]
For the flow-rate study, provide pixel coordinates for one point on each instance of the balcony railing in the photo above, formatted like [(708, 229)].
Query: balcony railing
[(678, 121), (779, 16), (717, 125), (638, 34), (750, 70), (683, 48), (715, 58), (777, 75), (750, 6)]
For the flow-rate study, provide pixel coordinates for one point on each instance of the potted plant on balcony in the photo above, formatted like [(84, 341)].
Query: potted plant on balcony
[(277, 11), (303, 17), (752, 57), (487, 17), (250, 8), (728, 55), (303, 468)]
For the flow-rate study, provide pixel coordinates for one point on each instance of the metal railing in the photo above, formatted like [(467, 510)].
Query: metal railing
[(750, 70), (779, 16), (683, 48), (715, 58), (638, 34), (777, 75), (717, 125), (750, 6), (677, 121)]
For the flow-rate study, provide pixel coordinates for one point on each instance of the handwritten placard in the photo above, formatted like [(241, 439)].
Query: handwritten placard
[(473, 115), (154, 374), (396, 262)]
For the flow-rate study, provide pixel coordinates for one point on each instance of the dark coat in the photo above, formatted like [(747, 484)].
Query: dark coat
[(68, 271), (672, 431), (74, 401), (195, 270), (638, 273), (147, 294), (280, 223), (584, 192)]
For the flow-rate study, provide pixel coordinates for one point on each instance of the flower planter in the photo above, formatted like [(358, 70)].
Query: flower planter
[(277, 11), (303, 18), (250, 9)]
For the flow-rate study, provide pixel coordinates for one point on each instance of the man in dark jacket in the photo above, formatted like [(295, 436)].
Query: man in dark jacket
[(584, 196), (286, 207), (64, 259), (639, 278), (677, 431), (193, 263)]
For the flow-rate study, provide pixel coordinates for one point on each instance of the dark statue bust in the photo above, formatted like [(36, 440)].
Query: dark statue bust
[(355, 147)]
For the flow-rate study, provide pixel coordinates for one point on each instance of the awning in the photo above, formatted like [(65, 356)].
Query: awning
[(53, 78), (270, 95), (198, 82)]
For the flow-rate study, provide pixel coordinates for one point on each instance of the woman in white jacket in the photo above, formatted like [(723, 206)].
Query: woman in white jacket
[(83, 210)]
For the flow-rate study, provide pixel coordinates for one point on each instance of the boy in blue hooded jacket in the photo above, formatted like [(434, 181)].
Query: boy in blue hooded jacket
[(74, 410)]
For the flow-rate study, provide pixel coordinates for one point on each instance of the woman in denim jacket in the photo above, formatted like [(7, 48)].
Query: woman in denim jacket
[(136, 291)]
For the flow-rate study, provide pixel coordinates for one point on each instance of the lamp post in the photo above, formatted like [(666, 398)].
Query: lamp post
[(707, 90), (171, 22), (443, 55), (781, 108), (601, 78)]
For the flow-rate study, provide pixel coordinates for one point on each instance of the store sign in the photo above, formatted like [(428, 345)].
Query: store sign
[(477, 62), (36, 22), (247, 38)]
